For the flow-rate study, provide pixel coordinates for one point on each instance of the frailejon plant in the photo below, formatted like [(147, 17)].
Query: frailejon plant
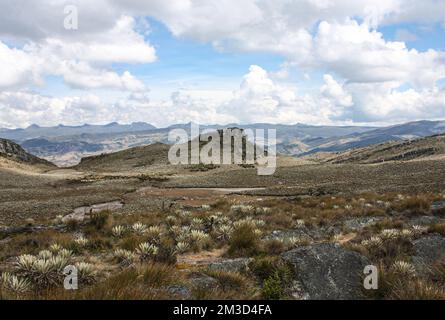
[(44, 271), (146, 251), (55, 248), (126, 258), (243, 209), (118, 231), (224, 232), (24, 263), (154, 233), (15, 284), (390, 234), (81, 241), (197, 223), (403, 268), (199, 237), (45, 254), (182, 247), (86, 272), (139, 228), (65, 253)]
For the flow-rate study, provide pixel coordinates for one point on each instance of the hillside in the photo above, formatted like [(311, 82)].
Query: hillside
[(406, 131), (428, 147), (133, 158), (11, 151)]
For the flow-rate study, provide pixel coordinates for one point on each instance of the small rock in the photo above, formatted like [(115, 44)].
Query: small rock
[(438, 207), (180, 292), (203, 281), (356, 224), (424, 221), (231, 265)]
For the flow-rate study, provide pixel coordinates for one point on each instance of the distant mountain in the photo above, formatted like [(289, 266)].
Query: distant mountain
[(12, 151), (34, 131), (43, 147), (407, 131)]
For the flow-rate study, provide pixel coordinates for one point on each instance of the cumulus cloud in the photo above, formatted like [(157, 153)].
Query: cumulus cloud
[(82, 61), (258, 99)]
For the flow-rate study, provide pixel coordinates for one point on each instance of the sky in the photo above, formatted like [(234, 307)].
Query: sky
[(342, 62)]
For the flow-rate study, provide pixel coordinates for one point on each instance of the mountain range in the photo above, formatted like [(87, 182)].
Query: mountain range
[(67, 145)]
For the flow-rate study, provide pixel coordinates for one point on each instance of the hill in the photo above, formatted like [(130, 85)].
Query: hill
[(125, 160), (423, 148), (11, 151)]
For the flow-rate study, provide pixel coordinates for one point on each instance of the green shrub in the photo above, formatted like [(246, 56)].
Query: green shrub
[(244, 242), (273, 287)]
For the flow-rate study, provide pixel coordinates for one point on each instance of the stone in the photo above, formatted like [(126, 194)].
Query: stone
[(438, 207), (231, 265), (428, 250), (179, 291), (202, 281), (327, 271)]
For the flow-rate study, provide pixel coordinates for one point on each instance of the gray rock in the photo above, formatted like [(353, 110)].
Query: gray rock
[(302, 232), (203, 281), (78, 216), (424, 220), (82, 213), (327, 271), (179, 291), (428, 250), (438, 207), (356, 224), (231, 265)]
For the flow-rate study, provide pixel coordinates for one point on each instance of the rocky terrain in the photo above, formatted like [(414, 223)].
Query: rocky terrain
[(12, 151)]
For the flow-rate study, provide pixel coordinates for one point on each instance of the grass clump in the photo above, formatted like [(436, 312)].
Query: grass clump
[(243, 242)]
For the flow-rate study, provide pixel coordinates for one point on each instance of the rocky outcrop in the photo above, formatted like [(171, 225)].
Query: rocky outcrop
[(327, 271), (84, 213), (13, 151), (428, 250)]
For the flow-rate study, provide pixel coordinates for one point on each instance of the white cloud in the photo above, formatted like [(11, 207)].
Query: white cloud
[(82, 62), (258, 99), (358, 54)]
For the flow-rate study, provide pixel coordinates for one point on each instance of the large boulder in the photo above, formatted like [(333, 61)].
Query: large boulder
[(428, 250), (327, 271)]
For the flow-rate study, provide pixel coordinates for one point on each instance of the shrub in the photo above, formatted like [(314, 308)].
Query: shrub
[(157, 274), (437, 228), (229, 280), (274, 246), (243, 242), (272, 287), (166, 252), (264, 267), (99, 220)]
